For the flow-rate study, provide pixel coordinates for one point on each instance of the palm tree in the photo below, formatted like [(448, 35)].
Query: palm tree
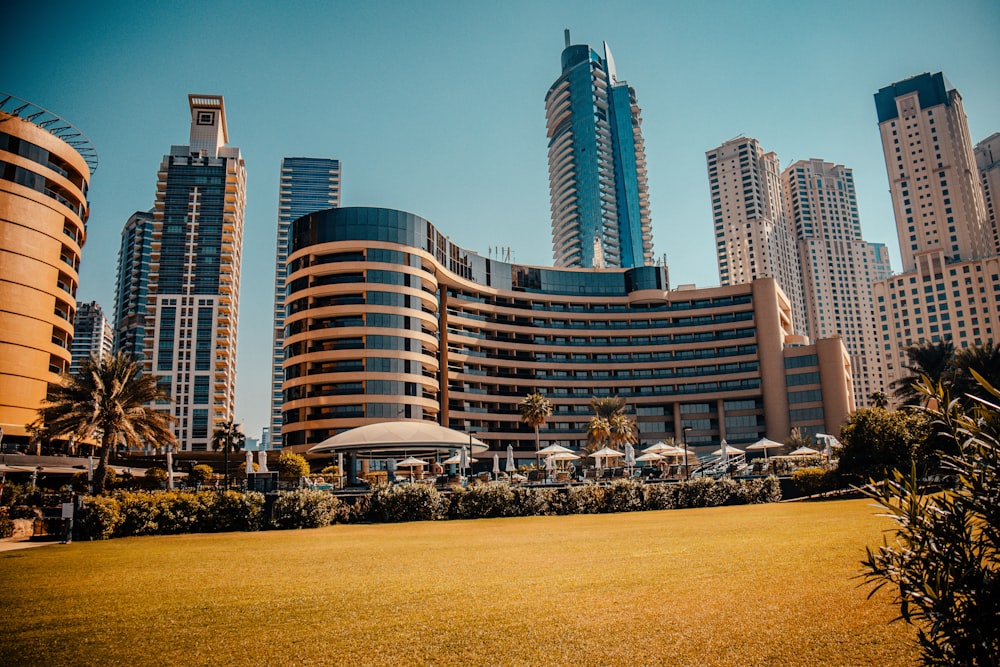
[(607, 406), (108, 400), (621, 429), (931, 360), (229, 438), (984, 360), (598, 433), (535, 409), (879, 399)]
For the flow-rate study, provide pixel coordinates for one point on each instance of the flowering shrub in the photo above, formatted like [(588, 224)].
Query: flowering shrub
[(307, 508), (132, 513), (99, 518), (406, 502)]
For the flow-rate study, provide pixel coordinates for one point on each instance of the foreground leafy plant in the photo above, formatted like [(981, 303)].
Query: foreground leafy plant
[(945, 559)]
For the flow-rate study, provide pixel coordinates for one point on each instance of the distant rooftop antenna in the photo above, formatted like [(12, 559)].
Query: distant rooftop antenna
[(566, 34)]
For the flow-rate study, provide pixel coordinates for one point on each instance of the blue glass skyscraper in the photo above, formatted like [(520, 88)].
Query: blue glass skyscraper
[(597, 165), (307, 184)]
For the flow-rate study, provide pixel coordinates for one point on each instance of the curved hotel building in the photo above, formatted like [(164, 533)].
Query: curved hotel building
[(45, 169), (387, 319)]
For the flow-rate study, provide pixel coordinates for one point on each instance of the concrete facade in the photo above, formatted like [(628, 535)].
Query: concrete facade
[(43, 211), (388, 320), (752, 233), (838, 265), (950, 285)]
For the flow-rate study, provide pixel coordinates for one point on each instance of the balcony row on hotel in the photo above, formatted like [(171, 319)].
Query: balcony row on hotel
[(387, 319)]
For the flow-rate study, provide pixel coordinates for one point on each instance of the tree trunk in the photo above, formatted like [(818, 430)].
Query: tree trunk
[(538, 460), (101, 473)]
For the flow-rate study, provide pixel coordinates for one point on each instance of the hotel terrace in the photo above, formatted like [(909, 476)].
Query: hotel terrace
[(389, 320)]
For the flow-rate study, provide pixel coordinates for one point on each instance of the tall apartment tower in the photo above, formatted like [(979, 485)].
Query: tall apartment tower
[(45, 168), (93, 336), (306, 185), (752, 235), (597, 165), (950, 285), (838, 266), (933, 179), (132, 284), (988, 161), (193, 281)]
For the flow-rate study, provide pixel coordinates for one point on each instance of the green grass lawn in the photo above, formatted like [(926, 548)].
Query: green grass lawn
[(753, 585)]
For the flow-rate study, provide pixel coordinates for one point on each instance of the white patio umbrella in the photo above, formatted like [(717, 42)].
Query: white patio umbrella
[(510, 467), (411, 462), (463, 459), (629, 455), (456, 459), (729, 451), (249, 463), (658, 448), (804, 451), (649, 456), (605, 453), (554, 449), (725, 451), (170, 469), (763, 445), (496, 465)]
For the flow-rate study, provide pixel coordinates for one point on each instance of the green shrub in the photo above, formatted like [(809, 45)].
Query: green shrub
[(529, 501), (810, 481), (307, 508), (200, 474), (406, 502), (156, 478), (660, 496), (6, 525), (624, 495), (292, 466), (99, 518), (483, 501), (235, 511)]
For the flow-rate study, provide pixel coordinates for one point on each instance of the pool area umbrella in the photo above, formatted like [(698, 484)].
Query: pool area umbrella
[(726, 451), (411, 462), (804, 451), (649, 456), (555, 449), (763, 445), (510, 467), (496, 465)]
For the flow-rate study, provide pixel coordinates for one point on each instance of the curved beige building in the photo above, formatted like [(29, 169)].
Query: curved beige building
[(388, 320), (45, 169)]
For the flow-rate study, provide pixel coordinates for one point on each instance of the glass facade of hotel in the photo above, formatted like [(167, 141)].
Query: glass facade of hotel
[(387, 319)]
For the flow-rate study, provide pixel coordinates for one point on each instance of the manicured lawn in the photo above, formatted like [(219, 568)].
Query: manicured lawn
[(756, 585)]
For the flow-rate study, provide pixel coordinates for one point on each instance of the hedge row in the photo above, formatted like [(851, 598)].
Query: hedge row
[(164, 513)]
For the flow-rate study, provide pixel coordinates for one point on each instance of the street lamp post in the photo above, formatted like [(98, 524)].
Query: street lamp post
[(687, 473)]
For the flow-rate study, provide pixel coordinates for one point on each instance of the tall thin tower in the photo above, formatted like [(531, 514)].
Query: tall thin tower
[(306, 185), (193, 286), (752, 234), (933, 178), (838, 265), (597, 165), (948, 289)]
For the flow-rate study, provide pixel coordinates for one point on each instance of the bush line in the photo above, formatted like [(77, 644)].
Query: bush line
[(134, 513)]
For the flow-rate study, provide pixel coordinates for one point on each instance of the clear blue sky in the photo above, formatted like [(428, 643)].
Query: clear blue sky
[(437, 108)]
